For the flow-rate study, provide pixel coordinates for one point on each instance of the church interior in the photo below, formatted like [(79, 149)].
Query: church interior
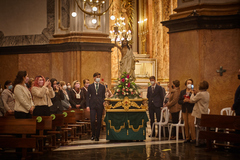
[(169, 39)]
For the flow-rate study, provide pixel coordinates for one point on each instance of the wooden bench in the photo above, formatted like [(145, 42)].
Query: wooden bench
[(45, 124), (11, 128), (57, 122), (219, 121)]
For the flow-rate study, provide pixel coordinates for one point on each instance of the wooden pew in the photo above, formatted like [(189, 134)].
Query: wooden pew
[(71, 122), (23, 127), (79, 113), (45, 124), (219, 121), (57, 122)]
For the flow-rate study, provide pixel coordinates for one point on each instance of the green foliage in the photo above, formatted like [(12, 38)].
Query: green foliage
[(126, 87)]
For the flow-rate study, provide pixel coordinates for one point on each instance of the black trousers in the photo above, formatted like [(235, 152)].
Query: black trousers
[(157, 111), (22, 115), (93, 112), (175, 119), (41, 111)]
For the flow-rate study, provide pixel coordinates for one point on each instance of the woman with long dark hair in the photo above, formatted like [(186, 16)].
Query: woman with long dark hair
[(42, 93), (23, 99), (57, 107)]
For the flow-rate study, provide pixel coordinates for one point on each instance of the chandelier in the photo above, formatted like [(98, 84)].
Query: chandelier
[(119, 31), (93, 7)]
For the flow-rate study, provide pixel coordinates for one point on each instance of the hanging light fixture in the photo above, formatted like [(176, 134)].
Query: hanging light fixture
[(96, 7)]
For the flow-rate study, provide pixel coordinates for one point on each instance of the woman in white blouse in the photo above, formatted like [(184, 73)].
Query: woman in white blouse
[(23, 99)]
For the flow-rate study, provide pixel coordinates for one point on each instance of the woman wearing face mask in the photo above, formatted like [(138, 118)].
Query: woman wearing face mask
[(8, 98), (201, 103), (42, 93), (65, 102), (187, 107), (57, 107), (173, 105), (24, 106), (76, 96), (167, 96)]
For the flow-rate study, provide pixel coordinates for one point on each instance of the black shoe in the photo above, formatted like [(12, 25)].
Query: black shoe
[(96, 139), (201, 145), (92, 138), (152, 135), (187, 141), (193, 141)]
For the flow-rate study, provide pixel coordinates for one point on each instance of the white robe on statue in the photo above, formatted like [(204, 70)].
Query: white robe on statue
[(127, 64)]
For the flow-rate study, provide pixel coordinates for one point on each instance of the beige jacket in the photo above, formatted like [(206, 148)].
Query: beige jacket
[(8, 100), (173, 101), (201, 100), (42, 96), (23, 99)]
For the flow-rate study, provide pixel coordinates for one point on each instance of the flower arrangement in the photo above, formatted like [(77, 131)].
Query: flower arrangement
[(126, 87)]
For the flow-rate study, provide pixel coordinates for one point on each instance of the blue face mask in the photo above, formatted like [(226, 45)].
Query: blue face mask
[(10, 87), (97, 79)]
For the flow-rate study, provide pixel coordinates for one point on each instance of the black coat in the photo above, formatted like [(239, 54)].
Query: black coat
[(57, 107), (155, 99), (74, 101), (236, 105), (93, 99), (83, 90), (185, 105)]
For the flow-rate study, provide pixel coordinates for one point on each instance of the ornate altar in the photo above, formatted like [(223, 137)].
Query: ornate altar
[(126, 119)]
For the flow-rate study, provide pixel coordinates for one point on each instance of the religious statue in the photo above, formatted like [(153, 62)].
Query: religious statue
[(127, 64)]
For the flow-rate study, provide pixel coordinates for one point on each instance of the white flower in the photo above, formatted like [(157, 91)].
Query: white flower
[(131, 90), (126, 79)]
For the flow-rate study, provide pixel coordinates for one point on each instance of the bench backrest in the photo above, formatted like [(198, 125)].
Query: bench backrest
[(70, 118), (220, 121), (79, 114), (45, 124), (17, 126), (58, 121)]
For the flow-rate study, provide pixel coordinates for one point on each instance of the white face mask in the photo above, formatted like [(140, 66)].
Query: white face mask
[(69, 87), (65, 87), (152, 82), (97, 79), (189, 86)]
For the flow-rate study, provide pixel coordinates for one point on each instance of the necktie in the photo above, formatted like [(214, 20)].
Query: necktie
[(96, 87), (152, 89)]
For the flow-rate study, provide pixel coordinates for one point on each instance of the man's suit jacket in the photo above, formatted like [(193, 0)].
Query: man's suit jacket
[(93, 99), (155, 99), (84, 91)]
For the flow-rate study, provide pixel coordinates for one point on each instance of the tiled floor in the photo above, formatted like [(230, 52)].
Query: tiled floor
[(150, 149)]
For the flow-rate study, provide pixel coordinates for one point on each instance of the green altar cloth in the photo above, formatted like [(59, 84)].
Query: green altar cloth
[(126, 125)]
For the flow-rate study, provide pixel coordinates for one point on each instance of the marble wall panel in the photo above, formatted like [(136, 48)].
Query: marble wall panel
[(8, 68), (198, 54), (35, 64), (92, 62)]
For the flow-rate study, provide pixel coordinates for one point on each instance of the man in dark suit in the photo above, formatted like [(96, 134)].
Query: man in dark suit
[(95, 99), (155, 97)]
